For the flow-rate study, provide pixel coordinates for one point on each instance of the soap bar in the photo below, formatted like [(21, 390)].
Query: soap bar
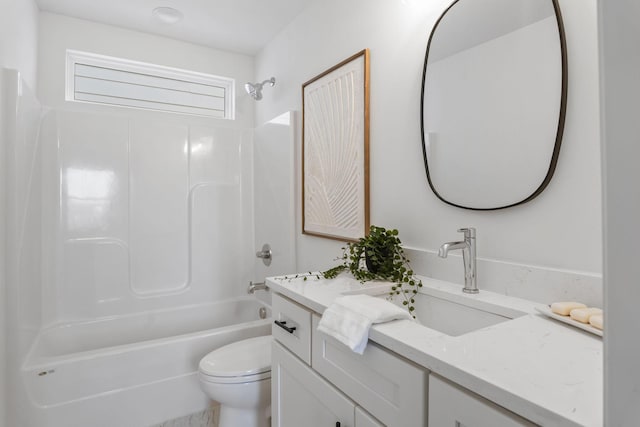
[(583, 314), (597, 321), (564, 308)]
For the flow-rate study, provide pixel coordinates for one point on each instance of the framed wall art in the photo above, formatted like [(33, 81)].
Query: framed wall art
[(335, 151)]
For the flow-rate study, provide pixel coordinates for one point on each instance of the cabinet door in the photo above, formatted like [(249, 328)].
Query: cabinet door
[(300, 397), (364, 419), (392, 389), (453, 406)]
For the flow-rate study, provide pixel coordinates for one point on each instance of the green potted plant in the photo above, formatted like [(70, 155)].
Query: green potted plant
[(377, 256)]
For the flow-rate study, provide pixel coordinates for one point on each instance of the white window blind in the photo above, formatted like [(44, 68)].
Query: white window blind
[(115, 81)]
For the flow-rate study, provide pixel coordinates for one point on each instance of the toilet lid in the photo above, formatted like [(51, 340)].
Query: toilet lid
[(247, 357)]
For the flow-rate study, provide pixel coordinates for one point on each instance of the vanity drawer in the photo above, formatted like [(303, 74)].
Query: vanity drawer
[(293, 327), (452, 405), (389, 387)]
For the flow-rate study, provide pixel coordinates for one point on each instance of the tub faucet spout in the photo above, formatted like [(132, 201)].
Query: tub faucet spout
[(256, 287), (468, 247)]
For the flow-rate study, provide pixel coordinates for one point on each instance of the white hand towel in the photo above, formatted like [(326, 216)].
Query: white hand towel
[(349, 318)]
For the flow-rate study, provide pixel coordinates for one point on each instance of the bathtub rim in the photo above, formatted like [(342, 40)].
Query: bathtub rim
[(32, 362)]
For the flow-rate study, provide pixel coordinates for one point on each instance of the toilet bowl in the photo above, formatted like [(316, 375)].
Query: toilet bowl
[(238, 376)]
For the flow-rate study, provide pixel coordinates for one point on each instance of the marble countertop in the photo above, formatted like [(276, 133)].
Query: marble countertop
[(545, 371)]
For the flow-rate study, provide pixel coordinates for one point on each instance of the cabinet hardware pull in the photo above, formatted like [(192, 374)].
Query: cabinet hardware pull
[(337, 423), (284, 326)]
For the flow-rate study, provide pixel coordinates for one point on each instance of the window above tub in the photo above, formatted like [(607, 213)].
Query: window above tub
[(121, 82)]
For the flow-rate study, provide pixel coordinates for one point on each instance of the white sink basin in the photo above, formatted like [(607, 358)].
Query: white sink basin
[(444, 307), (452, 318)]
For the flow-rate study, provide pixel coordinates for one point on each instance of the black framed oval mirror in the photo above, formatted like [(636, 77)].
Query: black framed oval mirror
[(494, 91)]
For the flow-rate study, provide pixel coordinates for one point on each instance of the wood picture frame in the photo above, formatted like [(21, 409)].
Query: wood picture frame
[(335, 151)]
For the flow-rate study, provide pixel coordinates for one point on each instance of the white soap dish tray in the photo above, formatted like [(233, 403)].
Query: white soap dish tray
[(568, 320)]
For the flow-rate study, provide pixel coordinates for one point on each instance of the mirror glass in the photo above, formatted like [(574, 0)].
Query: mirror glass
[(493, 101)]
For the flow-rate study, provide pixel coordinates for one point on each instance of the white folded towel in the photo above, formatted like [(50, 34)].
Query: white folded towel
[(349, 318)]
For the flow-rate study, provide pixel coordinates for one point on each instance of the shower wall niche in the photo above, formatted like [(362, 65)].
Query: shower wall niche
[(143, 214)]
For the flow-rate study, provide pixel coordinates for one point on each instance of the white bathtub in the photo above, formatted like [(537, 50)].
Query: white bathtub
[(131, 370)]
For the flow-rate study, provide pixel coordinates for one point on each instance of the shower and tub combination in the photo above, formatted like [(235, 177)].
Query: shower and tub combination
[(133, 244)]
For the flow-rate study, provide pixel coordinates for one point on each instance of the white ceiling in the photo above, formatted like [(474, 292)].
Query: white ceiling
[(243, 26)]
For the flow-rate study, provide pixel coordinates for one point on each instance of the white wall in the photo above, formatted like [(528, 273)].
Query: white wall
[(19, 38), (58, 33), (18, 50), (620, 66), (561, 229)]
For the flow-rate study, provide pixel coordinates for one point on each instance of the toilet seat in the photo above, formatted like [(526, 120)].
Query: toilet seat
[(235, 380), (239, 362)]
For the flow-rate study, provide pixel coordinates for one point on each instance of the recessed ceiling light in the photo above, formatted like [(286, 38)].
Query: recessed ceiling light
[(168, 15)]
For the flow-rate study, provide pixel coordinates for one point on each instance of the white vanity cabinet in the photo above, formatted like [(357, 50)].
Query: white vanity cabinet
[(478, 346), (316, 381), (300, 397), (453, 406)]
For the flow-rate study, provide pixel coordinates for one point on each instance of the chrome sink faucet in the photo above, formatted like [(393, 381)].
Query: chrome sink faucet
[(468, 246)]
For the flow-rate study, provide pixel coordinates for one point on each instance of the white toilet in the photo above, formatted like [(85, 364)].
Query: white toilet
[(238, 376)]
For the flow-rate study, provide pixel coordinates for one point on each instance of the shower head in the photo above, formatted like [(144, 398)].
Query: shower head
[(255, 89)]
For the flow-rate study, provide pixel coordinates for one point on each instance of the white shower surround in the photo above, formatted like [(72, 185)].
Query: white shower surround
[(22, 176), (142, 214)]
